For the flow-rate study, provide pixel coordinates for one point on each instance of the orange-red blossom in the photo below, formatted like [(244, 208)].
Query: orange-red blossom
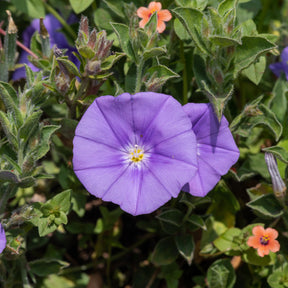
[(162, 15), (264, 240)]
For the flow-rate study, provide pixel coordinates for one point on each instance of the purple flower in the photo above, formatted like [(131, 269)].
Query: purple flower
[(278, 68), (135, 150), (2, 239), (56, 38), (216, 149)]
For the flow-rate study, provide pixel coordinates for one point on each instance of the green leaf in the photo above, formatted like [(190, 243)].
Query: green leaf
[(256, 70), (223, 41), (7, 94), (221, 274), (251, 256), (162, 73), (8, 176), (197, 220), (165, 252), (44, 144), (30, 125), (80, 5), (192, 19), (115, 6), (185, 245), (171, 273), (255, 114), (247, 53), (102, 19), (171, 220), (278, 103), (267, 206), (111, 60), (279, 152), (229, 240), (122, 32), (154, 52), (47, 266), (29, 76), (70, 66), (8, 130), (62, 201), (32, 8), (278, 278), (225, 6)]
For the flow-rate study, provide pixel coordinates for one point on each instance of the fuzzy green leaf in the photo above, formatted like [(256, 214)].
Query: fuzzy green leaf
[(185, 245), (62, 201), (280, 152), (267, 205), (247, 53), (9, 97), (46, 266), (192, 19), (165, 252), (255, 114), (29, 126), (122, 32), (70, 66), (221, 274), (256, 70), (80, 5), (43, 147)]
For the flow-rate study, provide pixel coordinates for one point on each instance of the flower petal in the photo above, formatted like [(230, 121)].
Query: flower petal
[(2, 239), (205, 180), (263, 250), (137, 191), (274, 245), (154, 6), (161, 26), (272, 233), (164, 15), (143, 22), (89, 154), (94, 126), (216, 148), (277, 68), (258, 231), (143, 12), (173, 166), (159, 121), (254, 242)]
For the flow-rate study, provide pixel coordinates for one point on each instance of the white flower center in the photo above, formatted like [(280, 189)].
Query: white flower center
[(136, 155)]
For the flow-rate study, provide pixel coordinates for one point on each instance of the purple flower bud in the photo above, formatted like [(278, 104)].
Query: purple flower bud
[(278, 184)]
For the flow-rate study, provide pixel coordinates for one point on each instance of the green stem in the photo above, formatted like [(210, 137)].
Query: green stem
[(60, 19), (139, 76), (185, 83), (6, 195)]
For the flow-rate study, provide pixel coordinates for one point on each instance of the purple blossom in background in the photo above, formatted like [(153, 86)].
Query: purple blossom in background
[(216, 149), (2, 239), (278, 68), (135, 150), (56, 38)]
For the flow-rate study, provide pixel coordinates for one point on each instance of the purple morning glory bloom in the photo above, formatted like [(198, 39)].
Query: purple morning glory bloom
[(216, 148), (135, 150), (278, 68), (2, 239), (56, 38)]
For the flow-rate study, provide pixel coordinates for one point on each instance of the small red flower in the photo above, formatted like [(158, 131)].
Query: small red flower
[(264, 240), (162, 15)]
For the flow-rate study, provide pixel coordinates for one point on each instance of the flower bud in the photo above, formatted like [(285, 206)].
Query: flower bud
[(278, 184)]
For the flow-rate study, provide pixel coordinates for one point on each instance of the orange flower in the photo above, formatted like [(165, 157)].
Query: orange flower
[(264, 240), (162, 15)]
